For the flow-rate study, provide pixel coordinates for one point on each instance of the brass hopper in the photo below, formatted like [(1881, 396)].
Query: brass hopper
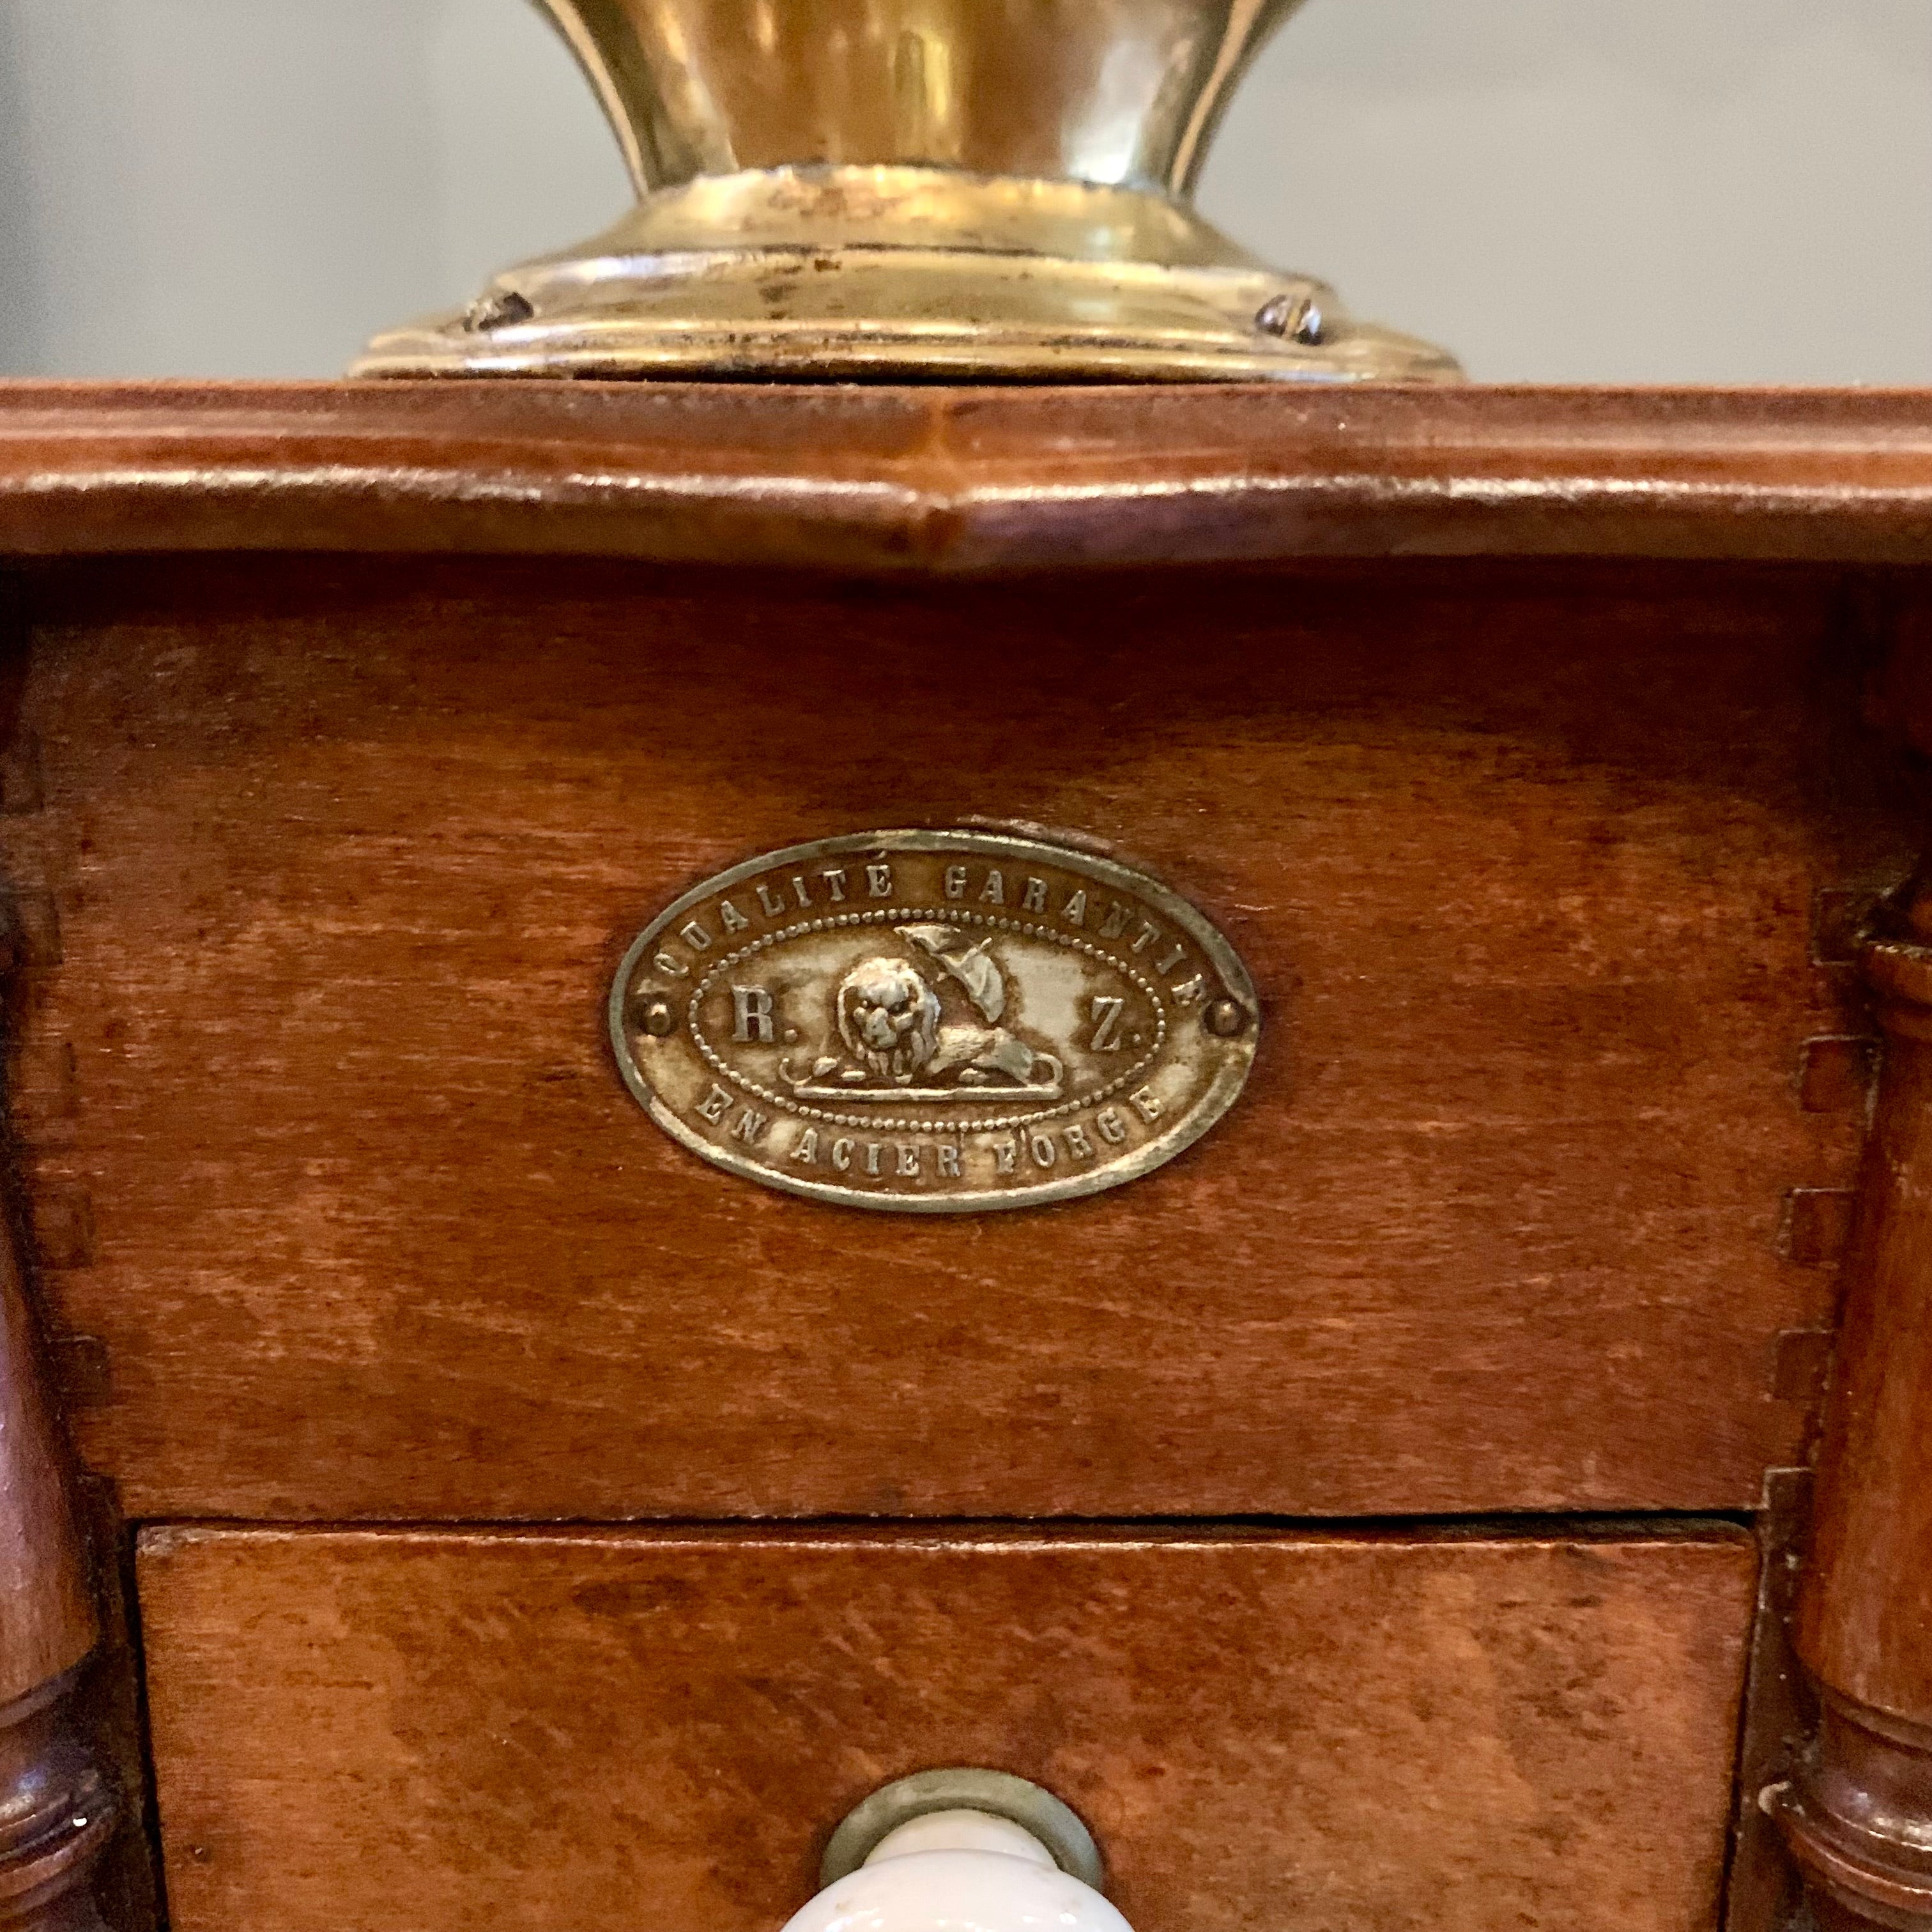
[(896, 189)]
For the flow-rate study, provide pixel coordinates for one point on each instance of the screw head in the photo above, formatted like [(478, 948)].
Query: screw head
[(653, 1014), (500, 308), (1224, 1018), (1294, 318)]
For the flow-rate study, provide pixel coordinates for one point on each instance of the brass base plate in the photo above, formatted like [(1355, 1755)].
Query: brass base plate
[(843, 273), (962, 1788)]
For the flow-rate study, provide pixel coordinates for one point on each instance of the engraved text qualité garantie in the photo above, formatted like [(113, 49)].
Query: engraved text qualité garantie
[(934, 1022)]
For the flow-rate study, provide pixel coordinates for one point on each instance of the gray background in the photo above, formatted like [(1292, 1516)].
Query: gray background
[(1694, 190)]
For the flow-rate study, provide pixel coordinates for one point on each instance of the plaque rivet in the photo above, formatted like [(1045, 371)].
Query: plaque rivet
[(1224, 1018), (654, 1015), (1295, 318), (501, 309)]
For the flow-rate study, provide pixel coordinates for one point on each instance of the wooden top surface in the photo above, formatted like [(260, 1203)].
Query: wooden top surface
[(869, 480)]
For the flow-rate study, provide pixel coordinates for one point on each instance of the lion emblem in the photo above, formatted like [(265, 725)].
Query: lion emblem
[(901, 1043), (889, 1017)]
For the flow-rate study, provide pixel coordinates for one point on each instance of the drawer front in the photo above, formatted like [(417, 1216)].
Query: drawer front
[(412, 1731), (334, 1157)]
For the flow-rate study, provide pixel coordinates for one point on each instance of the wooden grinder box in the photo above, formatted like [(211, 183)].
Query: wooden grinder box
[(1215, 1093)]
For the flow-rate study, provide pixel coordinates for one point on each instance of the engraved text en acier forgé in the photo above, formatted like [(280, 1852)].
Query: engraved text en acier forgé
[(932, 1025)]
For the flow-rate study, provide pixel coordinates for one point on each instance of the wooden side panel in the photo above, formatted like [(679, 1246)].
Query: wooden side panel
[(422, 1732), (337, 862)]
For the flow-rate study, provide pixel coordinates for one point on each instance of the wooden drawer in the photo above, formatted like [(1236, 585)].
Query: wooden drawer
[(407, 1731), (337, 860)]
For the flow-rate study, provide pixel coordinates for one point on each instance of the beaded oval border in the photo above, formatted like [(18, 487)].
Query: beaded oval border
[(950, 915)]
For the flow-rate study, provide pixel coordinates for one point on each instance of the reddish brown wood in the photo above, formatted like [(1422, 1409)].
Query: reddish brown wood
[(344, 857), (47, 1622), (1761, 1890), (339, 1211), (422, 1731), (58, 1809), (1858, 1814), (874, 479), (56, 1812)]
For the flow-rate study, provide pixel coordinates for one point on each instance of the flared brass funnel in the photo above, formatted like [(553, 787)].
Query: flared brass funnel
[(898, 189)]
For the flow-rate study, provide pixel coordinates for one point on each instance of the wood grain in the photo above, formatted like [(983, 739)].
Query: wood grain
[(858, 478), (345, 855), (406, 1731)]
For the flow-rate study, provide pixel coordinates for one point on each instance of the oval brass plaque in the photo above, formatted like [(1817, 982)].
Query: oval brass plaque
[(937, 1022)]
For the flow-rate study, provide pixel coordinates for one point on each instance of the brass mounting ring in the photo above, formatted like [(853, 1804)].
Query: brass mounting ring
[(962, 1788)]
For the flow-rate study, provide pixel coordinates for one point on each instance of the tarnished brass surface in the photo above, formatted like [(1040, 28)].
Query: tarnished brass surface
[(879, 188), (1121, 92)]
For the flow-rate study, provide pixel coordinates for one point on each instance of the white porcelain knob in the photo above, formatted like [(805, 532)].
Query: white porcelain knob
[(958, 1870)]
